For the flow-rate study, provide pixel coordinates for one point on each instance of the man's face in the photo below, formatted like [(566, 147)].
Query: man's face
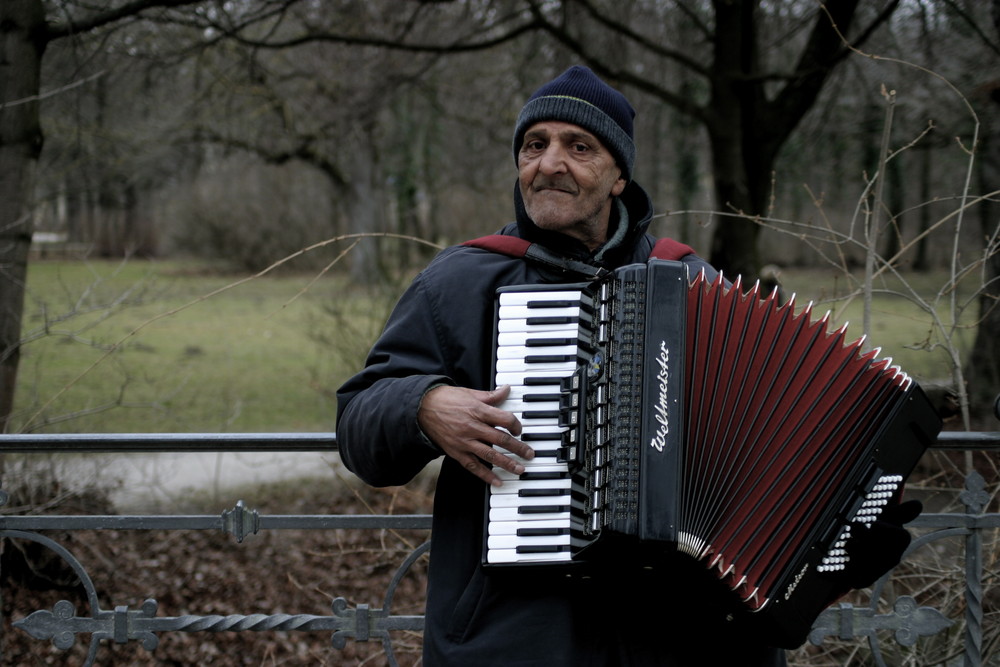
[(567, 179)]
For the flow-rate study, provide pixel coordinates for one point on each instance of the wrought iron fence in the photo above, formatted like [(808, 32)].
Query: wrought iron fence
[(906, 618)]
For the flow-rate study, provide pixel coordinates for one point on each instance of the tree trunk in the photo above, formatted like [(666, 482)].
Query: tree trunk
[(733, 134), (982, 370), (747, 129), (360, 207), (734, 243), (22, 42)]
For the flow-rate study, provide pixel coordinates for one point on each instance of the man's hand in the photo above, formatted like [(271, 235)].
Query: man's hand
[(463, 422)]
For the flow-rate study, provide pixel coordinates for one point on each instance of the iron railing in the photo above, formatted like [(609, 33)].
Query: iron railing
[(906, 618)]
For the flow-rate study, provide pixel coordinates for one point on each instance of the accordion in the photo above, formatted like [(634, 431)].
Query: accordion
[(691, 415)]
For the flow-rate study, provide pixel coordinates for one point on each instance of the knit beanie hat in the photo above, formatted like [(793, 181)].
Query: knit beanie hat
[(577, 96)]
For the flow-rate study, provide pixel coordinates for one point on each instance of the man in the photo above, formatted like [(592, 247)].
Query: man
[(425, 391)]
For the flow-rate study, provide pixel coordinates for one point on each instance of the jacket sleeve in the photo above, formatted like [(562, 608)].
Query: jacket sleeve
[(377, 432)]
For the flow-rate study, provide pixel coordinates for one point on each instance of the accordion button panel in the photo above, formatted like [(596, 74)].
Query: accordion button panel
[(874, 502), (541, 342)]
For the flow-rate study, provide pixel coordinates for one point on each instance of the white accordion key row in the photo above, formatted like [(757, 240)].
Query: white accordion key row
[(530, 519)]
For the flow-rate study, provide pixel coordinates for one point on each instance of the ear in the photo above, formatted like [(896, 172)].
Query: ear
[(619, 185)]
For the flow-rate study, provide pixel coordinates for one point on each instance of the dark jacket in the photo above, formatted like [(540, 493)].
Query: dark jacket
[(441, 331)]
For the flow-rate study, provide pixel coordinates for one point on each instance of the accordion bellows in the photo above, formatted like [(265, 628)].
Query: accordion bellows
[(694, 416), (779, 410)]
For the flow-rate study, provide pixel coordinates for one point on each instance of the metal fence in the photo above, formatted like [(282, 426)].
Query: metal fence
[(906, 619)]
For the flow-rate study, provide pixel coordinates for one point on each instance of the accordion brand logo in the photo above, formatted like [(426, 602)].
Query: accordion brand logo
[(795, 582), (661, 409)]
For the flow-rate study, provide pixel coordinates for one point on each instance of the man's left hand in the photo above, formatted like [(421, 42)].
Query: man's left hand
[(875, 549)]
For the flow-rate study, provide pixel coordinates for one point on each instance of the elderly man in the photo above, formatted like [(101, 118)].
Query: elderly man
[(426, 391)]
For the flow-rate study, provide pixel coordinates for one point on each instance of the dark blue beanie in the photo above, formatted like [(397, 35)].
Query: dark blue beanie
[(577, 96)]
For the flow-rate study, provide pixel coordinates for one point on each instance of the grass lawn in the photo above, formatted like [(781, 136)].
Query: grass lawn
[(164, 346), (902, 317)]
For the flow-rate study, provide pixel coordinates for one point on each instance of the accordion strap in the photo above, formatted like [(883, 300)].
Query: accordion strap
[(522, 249), (517, 247), (670, 249)]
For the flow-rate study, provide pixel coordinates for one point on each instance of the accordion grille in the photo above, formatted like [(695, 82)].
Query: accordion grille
[(625, 391)]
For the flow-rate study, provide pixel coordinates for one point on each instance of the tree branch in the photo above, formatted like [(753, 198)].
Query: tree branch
[(128, 10), (825, 48), (624, 76), (964, 15), (394, 42), (651, 46), (304, 151)]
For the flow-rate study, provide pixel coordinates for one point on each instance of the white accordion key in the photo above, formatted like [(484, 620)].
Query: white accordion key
[(515, 514)]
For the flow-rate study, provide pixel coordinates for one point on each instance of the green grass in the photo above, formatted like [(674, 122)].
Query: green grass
[(142, 347), (901, 327)]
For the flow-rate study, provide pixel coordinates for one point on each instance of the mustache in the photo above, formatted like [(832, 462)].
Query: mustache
[(550, 183)]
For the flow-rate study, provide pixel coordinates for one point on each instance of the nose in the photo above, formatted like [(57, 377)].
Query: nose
[(553, 160)]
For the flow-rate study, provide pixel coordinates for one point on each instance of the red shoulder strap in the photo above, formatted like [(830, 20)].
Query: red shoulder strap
[(505, 245), (670, 249)]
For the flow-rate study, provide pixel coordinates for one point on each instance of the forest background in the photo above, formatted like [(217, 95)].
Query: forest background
[(308, 156), (854, 135)]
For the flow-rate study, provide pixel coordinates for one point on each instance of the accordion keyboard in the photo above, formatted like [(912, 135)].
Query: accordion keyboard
[(542, 341)]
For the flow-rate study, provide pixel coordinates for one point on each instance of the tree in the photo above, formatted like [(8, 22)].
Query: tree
[(22, 28), (983, 366), (342, 85), (751, 74), (26, 31), (29, 27), (744, 94), (752, 102)]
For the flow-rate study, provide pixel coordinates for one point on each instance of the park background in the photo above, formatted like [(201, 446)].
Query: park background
[(210, 207)]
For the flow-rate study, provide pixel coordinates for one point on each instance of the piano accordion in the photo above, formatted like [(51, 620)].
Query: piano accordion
[(690, 415)]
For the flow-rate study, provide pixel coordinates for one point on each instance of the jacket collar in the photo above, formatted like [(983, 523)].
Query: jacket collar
[(638, 212)]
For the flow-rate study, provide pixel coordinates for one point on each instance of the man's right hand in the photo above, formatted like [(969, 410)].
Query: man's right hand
[(464, 424)]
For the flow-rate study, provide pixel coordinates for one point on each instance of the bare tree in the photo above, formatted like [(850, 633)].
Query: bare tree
[(23, 23), (983, 365), (751, 88), (27, 28), (330, 83)]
